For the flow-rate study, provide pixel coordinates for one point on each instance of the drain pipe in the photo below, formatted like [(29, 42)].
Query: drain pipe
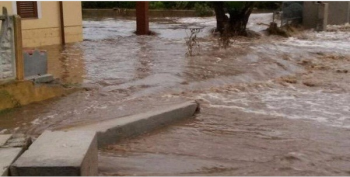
[(63, 40)]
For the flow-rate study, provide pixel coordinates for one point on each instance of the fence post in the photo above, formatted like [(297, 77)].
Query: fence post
[(325, 16), (322, 16), (18, 48)]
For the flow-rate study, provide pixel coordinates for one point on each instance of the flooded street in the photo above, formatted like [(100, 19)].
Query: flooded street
[(122, 72), (269, 105)]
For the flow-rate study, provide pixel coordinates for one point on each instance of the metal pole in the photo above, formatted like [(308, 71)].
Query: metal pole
[(63, 39), (18, 48), (142, 21)]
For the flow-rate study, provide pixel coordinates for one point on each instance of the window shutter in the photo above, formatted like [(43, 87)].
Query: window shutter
[(27, 9)]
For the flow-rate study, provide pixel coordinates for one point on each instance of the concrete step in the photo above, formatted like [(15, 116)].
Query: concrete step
[(59, 153), (11, 147), (7, 156)]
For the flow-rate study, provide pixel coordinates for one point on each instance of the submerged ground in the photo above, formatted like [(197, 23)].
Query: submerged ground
[(269, 105)]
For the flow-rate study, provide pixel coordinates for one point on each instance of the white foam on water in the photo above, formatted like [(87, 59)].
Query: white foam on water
[(327, 108), (257, 22), (338, 45), (36, 122), (198, 20)]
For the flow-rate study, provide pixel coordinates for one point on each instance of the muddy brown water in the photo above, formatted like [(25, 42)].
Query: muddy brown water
[(230, 142), (116, 67), (270, 106)]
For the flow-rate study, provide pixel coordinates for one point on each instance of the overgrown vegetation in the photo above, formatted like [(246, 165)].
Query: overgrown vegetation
[(192, 42), (233, 24), (178, 5), (108, 4), (203, 9)]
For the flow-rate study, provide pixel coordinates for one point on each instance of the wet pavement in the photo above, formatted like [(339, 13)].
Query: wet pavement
[(270, 106)]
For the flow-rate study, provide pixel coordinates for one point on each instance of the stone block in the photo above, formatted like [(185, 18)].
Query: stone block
[(7, 156), (59, 153)]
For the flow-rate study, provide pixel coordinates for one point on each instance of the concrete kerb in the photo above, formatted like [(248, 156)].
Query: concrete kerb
[(113, 131), (74, 151)]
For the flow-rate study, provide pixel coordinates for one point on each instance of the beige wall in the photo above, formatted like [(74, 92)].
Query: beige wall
[(73, 21), (310, 14), (7, 4), (339, 12), (47, 29)]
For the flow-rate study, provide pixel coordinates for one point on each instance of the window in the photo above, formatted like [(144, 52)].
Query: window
[(27, 9)]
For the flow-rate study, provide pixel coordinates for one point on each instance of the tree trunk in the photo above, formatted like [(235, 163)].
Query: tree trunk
[(238, 20), (221, 18)]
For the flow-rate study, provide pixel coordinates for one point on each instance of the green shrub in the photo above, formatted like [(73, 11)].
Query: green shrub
[(156, 5), (202, 9)]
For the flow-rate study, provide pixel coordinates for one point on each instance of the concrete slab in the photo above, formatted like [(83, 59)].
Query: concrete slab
[(112, 131), (4, 139), (59, 154), (7, 156), (41, 79)]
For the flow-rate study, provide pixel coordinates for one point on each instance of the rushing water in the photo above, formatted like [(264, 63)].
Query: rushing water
[(250, 124), (115, 65)]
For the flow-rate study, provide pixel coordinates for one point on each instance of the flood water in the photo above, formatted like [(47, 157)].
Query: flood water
[(116, 67), (270, 105)]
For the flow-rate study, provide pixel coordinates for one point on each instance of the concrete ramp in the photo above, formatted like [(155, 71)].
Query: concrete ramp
[(112, 131)]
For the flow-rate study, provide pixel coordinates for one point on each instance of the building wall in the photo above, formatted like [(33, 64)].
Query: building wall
[(7, 4), (310, 14), (338, 13), (46, 30), (73, 21)]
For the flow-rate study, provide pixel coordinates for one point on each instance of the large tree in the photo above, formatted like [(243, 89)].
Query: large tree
[(239, 13)]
